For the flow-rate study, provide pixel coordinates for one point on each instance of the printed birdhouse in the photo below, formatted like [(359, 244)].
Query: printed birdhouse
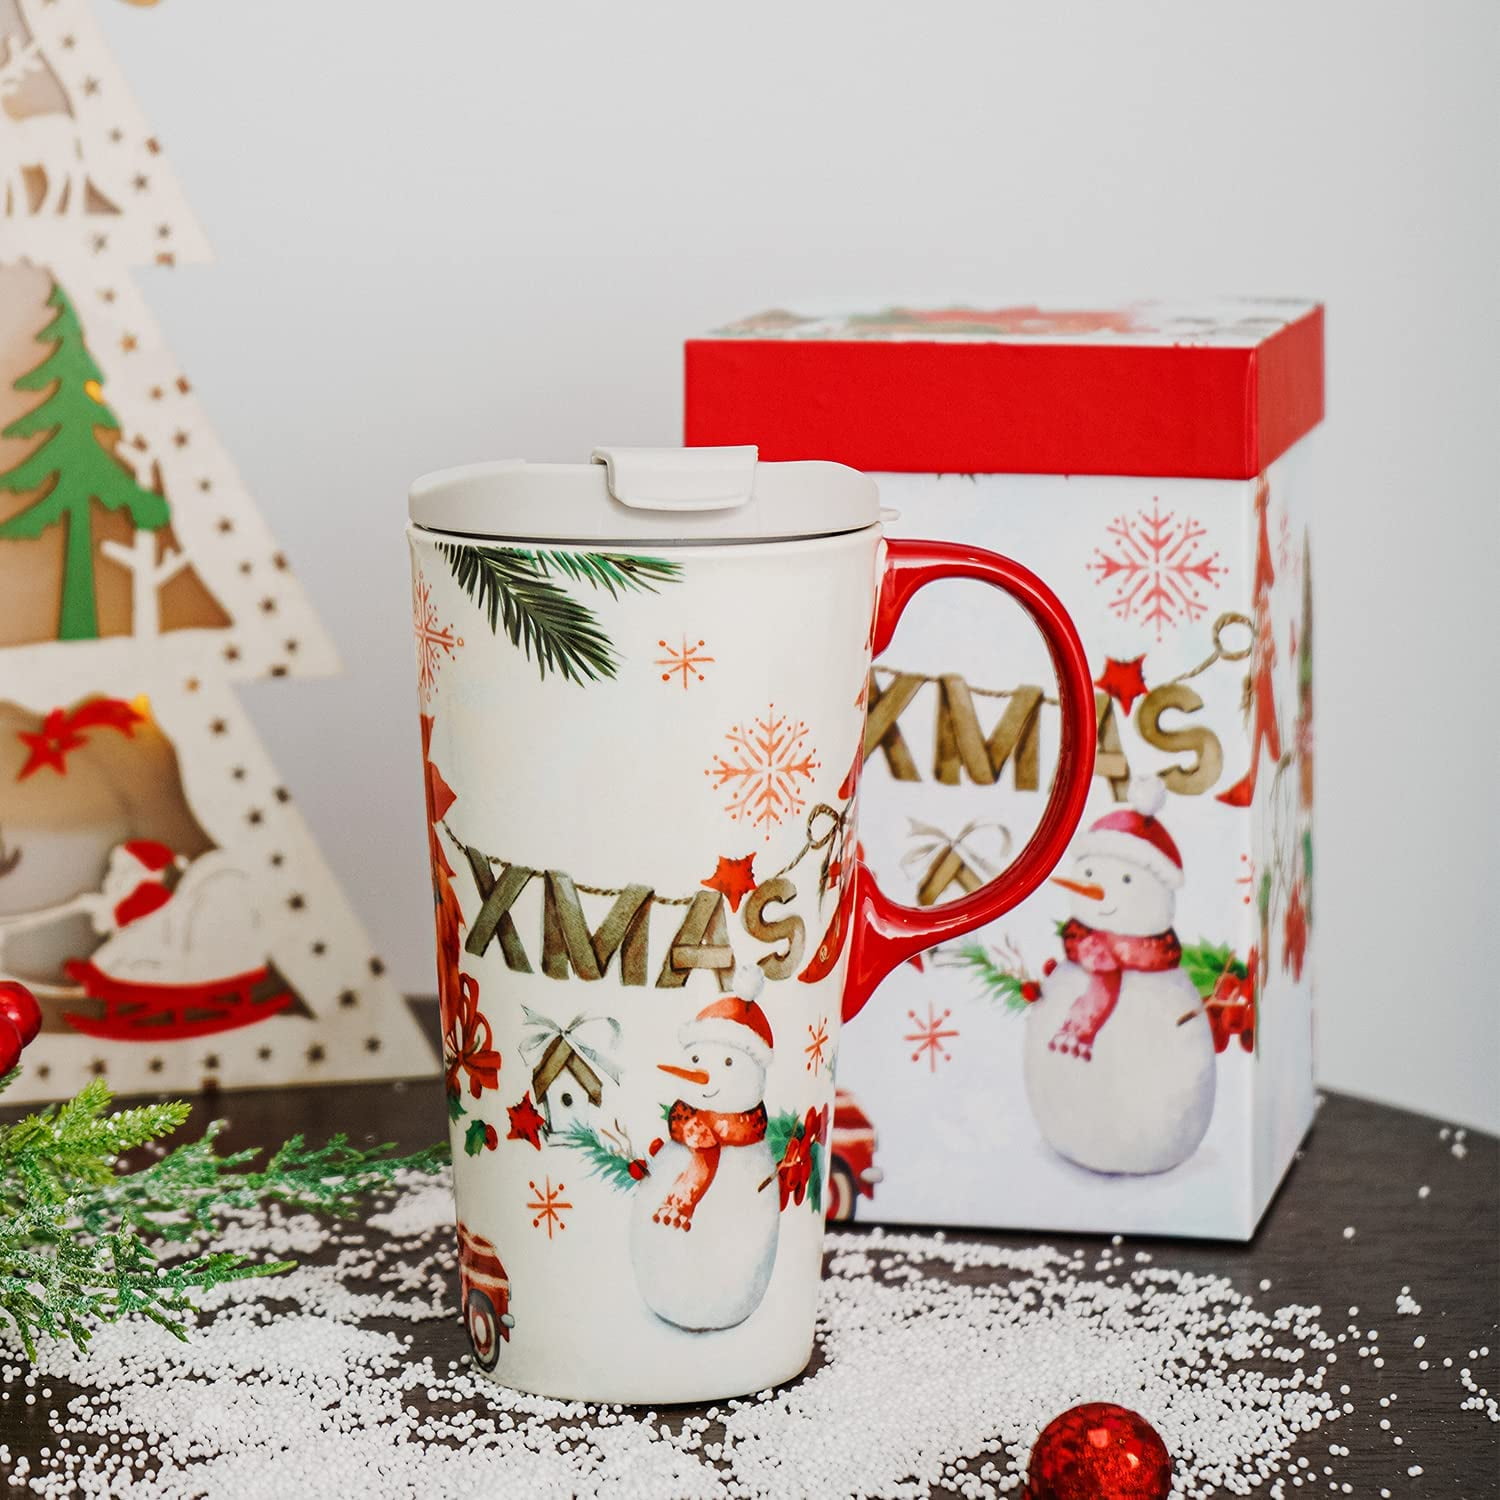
[(567, 1087), (1130, 1049)]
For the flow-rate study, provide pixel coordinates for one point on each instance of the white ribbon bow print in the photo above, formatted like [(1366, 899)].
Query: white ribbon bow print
[(541, 1030), (935, 844)]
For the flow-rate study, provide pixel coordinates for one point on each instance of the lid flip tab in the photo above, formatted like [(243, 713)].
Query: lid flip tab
[(679, 479)]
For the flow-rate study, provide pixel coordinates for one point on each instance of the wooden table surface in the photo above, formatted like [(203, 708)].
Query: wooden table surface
[(1362, 1169)]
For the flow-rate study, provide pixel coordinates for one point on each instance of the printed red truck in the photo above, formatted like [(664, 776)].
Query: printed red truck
[(484, 1295)]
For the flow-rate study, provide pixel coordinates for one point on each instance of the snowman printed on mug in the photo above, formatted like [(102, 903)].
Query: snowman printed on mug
[(706, 1221), (1119, 1062)]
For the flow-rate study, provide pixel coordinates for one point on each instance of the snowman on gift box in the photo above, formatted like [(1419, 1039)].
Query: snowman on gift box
[(1119, 1060), (706, 1220)]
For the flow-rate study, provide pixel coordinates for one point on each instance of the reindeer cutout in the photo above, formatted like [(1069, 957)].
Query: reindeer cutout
[(47, 143)]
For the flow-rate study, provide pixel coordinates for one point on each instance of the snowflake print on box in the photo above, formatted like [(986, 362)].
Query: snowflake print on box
[(929, 1035), (768, 762), (1158, 567), (435, 642)]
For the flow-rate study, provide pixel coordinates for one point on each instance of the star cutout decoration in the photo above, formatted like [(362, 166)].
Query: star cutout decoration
[(733, 878), (526, 1122), (1123, 680)]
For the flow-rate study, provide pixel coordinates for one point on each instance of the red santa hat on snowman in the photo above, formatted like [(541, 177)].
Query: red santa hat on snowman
[(156, 871), (735, 1020), (1134, 834)]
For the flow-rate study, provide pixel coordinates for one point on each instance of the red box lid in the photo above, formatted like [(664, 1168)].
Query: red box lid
[(1216, 391)]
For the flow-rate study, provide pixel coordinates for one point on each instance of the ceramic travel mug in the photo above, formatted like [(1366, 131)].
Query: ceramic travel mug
[(643, 698)]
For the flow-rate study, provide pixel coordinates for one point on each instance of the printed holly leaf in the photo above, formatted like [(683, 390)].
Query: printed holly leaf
[(1206, 963), (815, 1178), (474, 1137), (455, 1105)]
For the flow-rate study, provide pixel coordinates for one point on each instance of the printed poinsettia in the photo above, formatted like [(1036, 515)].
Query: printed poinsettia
[(447, 915), (469, 1045), (1227, 985), (800, 1146), (1294, 932)]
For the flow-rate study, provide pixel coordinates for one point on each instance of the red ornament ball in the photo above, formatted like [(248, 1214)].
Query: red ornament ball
[(10, 1046), (18, 1006), (1099, 1452)]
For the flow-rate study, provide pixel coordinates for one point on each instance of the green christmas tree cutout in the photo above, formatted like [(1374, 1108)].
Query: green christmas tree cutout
[(72, 467)]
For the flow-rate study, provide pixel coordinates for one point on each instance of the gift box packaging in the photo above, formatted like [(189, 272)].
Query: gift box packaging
[(1130, 1049)]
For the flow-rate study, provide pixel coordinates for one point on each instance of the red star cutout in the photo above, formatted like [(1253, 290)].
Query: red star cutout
[(733, 878), (526, 1123), (47, 750), (1123, 680)]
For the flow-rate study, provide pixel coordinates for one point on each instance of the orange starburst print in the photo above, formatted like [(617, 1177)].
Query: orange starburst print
[(766, 769), (817, 1045), (929, 1035), (684, 663), (549, 1205)]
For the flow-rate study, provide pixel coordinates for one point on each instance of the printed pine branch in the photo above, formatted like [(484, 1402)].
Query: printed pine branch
[(77, 1231), (536, 614), (997, 982), (519, 593), (603, 1159), (616, 572)]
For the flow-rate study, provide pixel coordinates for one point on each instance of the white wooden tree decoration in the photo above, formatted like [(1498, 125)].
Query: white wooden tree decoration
[(159, 890)]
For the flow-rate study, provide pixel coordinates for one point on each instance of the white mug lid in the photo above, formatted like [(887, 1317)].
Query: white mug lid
[(662, 495)]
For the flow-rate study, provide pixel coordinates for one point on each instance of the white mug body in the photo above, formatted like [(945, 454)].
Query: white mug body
[(640, 770)]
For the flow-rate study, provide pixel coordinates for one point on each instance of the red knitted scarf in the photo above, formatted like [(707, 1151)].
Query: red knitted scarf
[(1106, 956), (703, 1132)]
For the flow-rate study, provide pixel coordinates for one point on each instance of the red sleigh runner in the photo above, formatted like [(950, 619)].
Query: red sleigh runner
[(133, 1012)]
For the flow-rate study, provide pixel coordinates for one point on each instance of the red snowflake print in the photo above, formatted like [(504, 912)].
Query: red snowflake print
[(1158, 568), (549, 1202), (767, 762), (435, 642), (684, 663), (817, 1045), (930, 1036)]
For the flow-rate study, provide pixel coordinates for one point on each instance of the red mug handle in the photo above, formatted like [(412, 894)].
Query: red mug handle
[(886, 933)]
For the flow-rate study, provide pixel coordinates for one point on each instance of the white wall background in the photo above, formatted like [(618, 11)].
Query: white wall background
[(462, 230)]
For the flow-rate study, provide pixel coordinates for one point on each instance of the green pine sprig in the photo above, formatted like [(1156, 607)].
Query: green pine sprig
[(615, 572), (78, 1230), (519, 592), (604, 1160), (998, 983)]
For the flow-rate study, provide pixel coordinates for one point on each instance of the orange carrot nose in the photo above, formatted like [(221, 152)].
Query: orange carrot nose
[(692, 1075), (1093, 892)]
